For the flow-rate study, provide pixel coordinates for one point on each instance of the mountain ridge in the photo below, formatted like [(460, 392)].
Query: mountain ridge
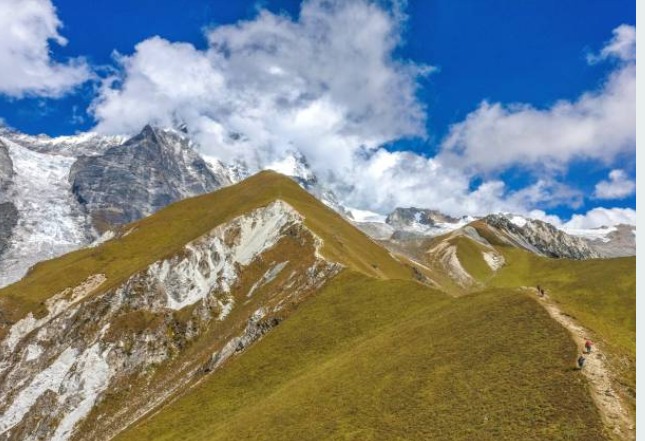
[(201, 280), (89, 184)]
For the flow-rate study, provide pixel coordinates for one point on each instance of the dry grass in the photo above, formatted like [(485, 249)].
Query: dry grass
[(393, 360)]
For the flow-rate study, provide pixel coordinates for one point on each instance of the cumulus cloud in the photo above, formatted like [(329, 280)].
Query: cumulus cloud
[(598, 125), (601, 216), (26, 29), (622, 46), (328, 84), (387, 179), (325, 83), (618, 186)]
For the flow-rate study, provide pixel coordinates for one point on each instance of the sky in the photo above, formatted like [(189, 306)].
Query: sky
[(469, 107)]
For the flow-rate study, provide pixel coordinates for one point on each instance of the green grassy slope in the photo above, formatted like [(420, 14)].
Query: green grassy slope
[(599, 293), (469, 253), (164, 233), (367, 359)]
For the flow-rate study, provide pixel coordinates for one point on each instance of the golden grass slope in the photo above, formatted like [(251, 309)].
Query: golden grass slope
[(164, 233), (368, 359), (374, 355), (599, 293)]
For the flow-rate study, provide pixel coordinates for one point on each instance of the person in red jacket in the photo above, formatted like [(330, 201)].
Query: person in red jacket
[(588, 346)]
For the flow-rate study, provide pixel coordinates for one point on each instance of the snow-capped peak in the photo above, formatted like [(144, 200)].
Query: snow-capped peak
[(295, 165)]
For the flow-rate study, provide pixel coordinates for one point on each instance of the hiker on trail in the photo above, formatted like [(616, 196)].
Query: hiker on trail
[(588, 346), (540, 291), (581, 361)]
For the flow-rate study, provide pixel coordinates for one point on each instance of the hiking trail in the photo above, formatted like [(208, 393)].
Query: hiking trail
[(615, 415)]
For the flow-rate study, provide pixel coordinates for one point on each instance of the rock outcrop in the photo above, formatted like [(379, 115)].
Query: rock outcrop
[(619, 241), (146, 173), (6, 171), (540, 238), (8, 221), (104, 354)]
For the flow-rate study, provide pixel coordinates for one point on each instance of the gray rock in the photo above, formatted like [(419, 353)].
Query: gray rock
[(8, 220), (146, 173), (6, 171), (401, 218), (618, 243), (542, 238)]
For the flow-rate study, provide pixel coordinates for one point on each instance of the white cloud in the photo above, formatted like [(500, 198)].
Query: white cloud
[(326, 84), (383, 180), (26, 29), (601, 216), (622, 46), (618, 186), (598, 125), (329, 85)]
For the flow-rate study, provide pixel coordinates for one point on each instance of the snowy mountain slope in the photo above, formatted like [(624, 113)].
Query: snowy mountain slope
[(616, 241), (87, 143), (49, 221)]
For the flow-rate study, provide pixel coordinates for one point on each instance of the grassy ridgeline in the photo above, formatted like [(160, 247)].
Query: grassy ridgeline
[(369, 359), (599, 293), (166, 232)]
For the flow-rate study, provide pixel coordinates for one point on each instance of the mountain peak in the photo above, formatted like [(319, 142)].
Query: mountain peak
[(539, 237)]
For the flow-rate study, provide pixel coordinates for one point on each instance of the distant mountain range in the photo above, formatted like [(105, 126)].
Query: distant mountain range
[(60, 194)]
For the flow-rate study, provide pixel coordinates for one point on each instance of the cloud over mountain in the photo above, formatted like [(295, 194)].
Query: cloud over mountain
[(326, 83)]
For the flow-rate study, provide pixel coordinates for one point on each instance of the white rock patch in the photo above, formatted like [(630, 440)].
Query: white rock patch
[(48, 379), (210, 264), (447, 255), (91, 377), (57, 304), (494, 260), (34, 351), (271, 274)]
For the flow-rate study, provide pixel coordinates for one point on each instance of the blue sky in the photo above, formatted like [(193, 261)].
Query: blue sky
[(529, 52)]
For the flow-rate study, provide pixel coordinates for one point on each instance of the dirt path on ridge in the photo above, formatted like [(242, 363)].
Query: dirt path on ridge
[(615, 416)]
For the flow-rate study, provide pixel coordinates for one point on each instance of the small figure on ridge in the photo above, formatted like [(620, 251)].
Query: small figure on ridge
[(581, 361)]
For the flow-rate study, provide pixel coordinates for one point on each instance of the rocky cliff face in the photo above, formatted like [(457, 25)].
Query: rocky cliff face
[(8, 211), (617, 241), (64, 375), (404, 217), (540, 238), (8, 221), (6, 171), (133, 180)]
